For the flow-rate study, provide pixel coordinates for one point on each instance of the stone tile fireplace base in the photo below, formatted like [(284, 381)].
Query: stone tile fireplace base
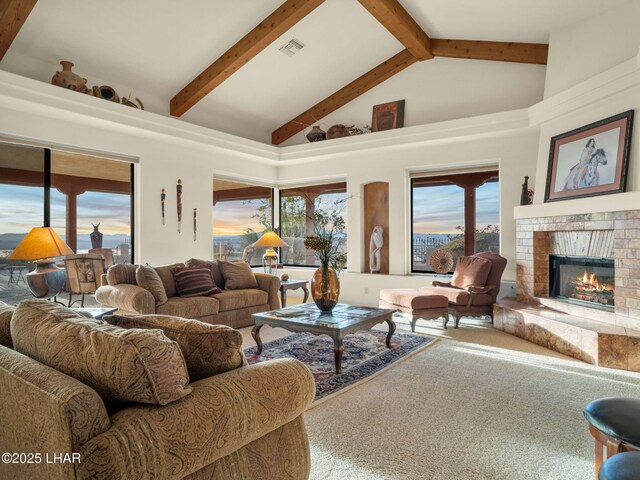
[(606, 338)]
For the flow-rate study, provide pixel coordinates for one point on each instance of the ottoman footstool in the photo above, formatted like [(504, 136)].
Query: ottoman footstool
[(615, 425), (414, 305)]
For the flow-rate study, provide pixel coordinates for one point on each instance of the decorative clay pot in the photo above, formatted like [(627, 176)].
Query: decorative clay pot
[(325, 288), (316, 134), (338, 131), (67, 79), (106, 92)]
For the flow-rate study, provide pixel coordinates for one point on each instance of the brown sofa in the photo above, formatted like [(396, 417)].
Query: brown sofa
[(245, 423), (230, 307)]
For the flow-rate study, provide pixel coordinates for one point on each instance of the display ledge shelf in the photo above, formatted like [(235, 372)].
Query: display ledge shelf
[(591, 341), (616, 202)]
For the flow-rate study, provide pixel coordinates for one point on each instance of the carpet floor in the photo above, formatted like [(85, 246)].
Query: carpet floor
[(480, 404)]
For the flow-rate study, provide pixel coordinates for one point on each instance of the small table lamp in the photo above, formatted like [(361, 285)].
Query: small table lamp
[(270, 257), (42, 245)]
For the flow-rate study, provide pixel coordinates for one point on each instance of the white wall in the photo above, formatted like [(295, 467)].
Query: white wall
[(513, 151), (586, 114), (444, 89), (589, 78), (167, 149), (584, 49)]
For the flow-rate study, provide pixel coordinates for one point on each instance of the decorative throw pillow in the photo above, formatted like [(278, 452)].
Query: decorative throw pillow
[(194, 281), (208, 349), (216, 273), (6, 312), (148, 278), (237, 275), (122, 273), (121, 365), (471, 272)]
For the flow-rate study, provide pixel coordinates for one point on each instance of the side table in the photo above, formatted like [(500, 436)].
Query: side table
[(292, 285), (15, 273)]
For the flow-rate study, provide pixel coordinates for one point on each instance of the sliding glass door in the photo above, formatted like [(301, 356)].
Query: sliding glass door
[(75, 194), (90, 194)]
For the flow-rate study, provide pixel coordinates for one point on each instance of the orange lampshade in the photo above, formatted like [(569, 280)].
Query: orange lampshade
[(40, 242), (270, 240)]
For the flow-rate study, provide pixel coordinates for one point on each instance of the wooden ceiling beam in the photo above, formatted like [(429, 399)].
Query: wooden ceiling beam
[(13, 14), (392, 15), (272, 27), (535, 53), (362, 84), (247, 193)]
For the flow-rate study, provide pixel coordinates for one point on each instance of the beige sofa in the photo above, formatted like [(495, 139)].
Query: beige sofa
[(230, 307), (245, 423)]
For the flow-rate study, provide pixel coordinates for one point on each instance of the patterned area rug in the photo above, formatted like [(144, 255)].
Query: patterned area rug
[(365, 355)]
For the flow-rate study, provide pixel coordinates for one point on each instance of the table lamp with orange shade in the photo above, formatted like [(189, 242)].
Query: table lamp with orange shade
[(270, 257), (42, 245)]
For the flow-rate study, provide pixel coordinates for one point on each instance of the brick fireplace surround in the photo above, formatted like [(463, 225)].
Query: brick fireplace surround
[(610, 339)]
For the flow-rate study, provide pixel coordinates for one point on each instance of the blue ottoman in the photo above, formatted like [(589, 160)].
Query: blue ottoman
[(624, 466)]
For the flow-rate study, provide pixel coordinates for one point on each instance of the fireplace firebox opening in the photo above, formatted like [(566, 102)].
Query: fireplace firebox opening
[(585, 280)]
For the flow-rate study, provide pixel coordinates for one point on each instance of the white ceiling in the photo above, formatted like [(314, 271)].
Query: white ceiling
[(152, 48)]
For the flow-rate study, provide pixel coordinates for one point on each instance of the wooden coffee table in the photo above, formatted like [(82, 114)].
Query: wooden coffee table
[(343, 320)]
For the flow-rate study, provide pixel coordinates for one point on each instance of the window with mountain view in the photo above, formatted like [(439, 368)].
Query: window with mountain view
[(72, 193), (241, 214), (458, 213), (90, 193), (297, 206)]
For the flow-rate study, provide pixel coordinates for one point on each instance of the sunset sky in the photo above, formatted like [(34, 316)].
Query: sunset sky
[(22, 209), (234, 217), (436, 210), (441, 209)]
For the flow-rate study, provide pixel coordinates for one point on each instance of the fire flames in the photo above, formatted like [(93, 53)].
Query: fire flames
[(589, 283), (588, 288)]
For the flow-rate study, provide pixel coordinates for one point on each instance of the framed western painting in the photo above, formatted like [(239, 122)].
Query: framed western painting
[(590, 160), (387, 116)]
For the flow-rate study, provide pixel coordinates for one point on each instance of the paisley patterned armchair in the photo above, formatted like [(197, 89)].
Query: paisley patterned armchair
[(244, 423)]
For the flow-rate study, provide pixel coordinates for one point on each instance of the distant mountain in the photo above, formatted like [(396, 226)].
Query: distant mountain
[(108, 241), (9, 241), (435, 236)]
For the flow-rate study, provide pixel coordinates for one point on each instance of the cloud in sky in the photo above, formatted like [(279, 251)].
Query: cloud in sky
[(111, 210), (22, 208), (488, 205), (235, 216), (441, 209)]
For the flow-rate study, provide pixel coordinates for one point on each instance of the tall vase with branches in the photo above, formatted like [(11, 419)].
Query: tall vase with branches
[(327, 243)]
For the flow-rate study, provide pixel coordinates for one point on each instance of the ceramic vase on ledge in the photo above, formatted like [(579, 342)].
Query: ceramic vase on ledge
[(316, 134), (65, 78), (325, 288)]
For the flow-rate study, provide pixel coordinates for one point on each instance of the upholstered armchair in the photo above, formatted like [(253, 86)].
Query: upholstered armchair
[(236, 421), (474, 287)]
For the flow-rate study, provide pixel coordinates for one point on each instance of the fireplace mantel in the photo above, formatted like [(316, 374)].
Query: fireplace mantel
[(618, 202), (605, 234), (604, 338)]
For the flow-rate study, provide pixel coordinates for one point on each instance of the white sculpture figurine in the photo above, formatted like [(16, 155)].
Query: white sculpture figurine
[(375, 248)]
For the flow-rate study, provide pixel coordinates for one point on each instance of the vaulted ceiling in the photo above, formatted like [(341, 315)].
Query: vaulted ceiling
[(155, 48)]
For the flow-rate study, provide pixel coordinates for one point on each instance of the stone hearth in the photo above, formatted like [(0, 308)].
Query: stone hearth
[(600, 337)]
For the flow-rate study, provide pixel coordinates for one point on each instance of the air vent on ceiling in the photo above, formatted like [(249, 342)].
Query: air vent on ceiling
[(292, 47)]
